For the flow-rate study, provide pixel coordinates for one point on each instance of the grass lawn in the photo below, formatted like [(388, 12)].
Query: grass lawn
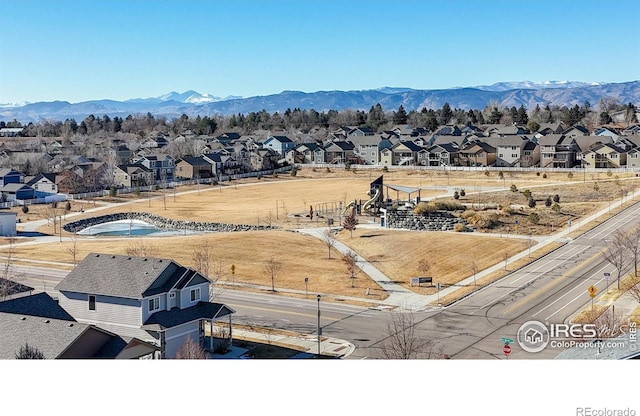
[(284, 201)]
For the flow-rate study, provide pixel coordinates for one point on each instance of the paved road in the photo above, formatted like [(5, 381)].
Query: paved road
[(549, 290)]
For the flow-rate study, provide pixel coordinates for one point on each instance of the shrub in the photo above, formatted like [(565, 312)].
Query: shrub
[(527, 194), (67, 206), (556, 198), (468, 214), (456, 195), (462, 192), (544, 176), (570, 175), (328, 170), (501, 175), (537, 173), (112, 191), (458, 228), (424, 208), (531, 203), (548, 202), (514, 188), (609, 173), (596, 187), (294, 171), (385, 169), (484, 220), (534, 218), (555, 208), (507, 210), (275, 173), (448, 206), (487, 173), (25, 209)]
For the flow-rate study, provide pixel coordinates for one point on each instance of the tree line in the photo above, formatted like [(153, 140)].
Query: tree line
[(376, 119)]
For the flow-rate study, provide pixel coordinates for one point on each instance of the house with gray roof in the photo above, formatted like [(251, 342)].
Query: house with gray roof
[(39, 321), (154, 299)]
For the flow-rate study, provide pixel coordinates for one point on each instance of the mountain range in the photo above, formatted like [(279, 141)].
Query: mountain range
[(171, 105)]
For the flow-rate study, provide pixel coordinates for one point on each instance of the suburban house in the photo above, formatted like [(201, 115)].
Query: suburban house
[(509, 151), (309, 152), (366, 148), (43, 183), (604, 156), (163, 166), (339, 151), (153, 299), (607, 131), (39, 321), (280, 144), (264, 159), (405, 153), (17, 192), (194, 168), (10, 176), (131, 176), (444, 154), (557, 151), (576, 131), (477, 153)]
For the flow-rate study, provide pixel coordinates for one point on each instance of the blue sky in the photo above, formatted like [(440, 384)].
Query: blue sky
[(84, 50)]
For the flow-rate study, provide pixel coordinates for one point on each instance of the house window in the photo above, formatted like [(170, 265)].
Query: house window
[(92, 303), (195, 294), (172, 295), (514, 155), (154, 304)]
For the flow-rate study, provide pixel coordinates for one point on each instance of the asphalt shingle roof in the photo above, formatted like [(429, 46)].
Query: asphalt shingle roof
[(203, 310), (40, 305), (122, 276)]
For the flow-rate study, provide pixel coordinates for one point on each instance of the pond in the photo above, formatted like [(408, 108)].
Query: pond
[(129, 228)]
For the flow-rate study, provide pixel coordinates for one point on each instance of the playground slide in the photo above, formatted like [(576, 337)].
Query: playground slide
[(349, 206), (371, 201)]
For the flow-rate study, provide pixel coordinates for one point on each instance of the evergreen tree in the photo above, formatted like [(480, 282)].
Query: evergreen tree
[(445, 114), (400, 116)]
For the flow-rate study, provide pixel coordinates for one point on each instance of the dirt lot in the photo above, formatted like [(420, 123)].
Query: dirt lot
[(284, 201)]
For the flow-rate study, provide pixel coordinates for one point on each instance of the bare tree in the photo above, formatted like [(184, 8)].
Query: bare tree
[(207, 264), (7, 278), (474, 270), (28, 352), (616, 253), (329, 239), (271, 269), (350, 221), (73, 249), (632, 241), (268, 219), (402, 341), (350, 261), (191, 350), (423, 266), (141, 248)]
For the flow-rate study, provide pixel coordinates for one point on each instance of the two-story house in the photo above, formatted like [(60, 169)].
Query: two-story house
[(604, 156), (163, 166), (131, 176), (281, 144), (477, 153), (194, 168), (156, 300)]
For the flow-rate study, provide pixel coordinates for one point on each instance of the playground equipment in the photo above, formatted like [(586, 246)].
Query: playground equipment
[(372, 205)]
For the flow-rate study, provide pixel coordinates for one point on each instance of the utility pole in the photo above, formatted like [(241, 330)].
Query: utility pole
[(319, 329)]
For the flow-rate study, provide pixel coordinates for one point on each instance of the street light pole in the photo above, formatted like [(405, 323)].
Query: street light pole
[(319, 330)]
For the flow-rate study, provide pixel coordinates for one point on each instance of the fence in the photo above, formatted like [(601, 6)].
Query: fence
[(574, 170)]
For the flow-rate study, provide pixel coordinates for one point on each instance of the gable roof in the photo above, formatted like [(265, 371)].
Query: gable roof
[(41, 305), (202, 310), (126, 277)]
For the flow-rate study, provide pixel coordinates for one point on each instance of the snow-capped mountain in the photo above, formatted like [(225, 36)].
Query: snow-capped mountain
[(531, 85), (504, 94)]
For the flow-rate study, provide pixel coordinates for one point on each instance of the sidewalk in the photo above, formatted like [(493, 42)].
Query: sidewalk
[(330, 347)]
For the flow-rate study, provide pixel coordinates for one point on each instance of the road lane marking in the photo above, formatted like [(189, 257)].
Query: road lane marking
[(555, 282)]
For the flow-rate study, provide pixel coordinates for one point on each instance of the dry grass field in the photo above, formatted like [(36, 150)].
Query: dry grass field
[(284, 201)]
